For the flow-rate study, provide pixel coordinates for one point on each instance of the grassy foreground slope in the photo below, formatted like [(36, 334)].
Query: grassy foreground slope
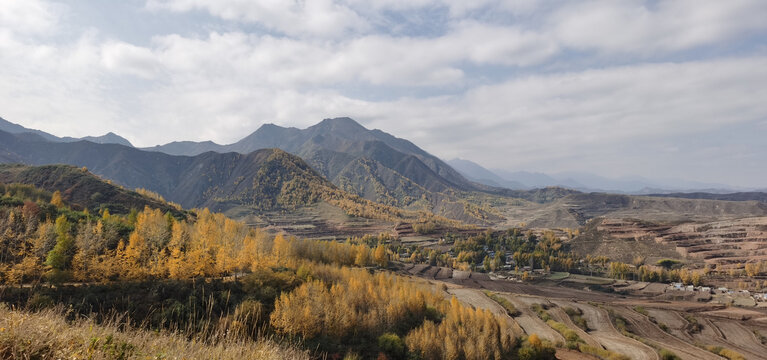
[(47, 335)]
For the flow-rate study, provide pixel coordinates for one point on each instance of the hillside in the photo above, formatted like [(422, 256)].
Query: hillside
[(575, 209), (81, 189)]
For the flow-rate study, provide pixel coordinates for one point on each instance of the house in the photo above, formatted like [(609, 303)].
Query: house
[(705, 289), (689, 288)]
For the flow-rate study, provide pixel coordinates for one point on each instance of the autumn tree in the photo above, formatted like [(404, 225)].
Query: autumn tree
[(380, 256), (56, 199)]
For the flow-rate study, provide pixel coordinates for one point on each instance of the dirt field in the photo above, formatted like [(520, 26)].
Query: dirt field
[(729, 327), (641, 325), (604, 332), (560, 315), (530, 322)]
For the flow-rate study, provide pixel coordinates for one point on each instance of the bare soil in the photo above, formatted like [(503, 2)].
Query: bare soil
[(531, 323)]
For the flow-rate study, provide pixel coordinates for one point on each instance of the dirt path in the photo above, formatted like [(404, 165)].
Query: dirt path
[(531, 323), (642, 326), (560, 315), (479, 300)]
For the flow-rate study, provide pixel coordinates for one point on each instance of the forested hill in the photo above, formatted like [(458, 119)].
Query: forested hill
[(82, 190)]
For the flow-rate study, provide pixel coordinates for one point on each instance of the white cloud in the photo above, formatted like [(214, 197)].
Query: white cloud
[(130, 59), (636, 26), (28, 16), (292, 17)]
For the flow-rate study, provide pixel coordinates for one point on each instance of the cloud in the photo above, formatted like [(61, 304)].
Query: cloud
[(292, 17), (130, 59), (28, 17), (642, 27)]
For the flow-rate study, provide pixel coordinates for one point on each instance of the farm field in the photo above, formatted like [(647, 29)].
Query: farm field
[(637, 327)]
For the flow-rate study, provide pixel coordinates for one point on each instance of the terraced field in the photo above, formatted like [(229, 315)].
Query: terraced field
[(723, 243)]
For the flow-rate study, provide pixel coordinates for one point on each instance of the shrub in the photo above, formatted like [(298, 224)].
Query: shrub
[(39, 302), (392, 345), (668, 355), (601, 353)]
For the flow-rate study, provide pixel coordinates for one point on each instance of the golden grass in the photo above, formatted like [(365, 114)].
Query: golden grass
[(47, 335)]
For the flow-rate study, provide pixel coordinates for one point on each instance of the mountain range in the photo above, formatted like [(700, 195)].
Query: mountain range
[(358, 162)]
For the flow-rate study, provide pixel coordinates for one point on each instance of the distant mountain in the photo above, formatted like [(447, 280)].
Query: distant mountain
[(739, 196), (12, 128), (477, 173), (187, 148), (587, 182), (109, 138)]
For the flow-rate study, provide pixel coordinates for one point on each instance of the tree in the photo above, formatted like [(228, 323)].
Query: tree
[(60, 257), (380, 256), (56, 199)]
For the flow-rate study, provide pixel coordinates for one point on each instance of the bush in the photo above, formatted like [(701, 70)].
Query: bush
[(727, 353), (668, 355), (392, 345), (601, 353), (38, 302), (510, 309)]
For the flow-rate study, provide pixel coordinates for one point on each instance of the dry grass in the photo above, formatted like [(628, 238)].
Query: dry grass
[(47, 335)]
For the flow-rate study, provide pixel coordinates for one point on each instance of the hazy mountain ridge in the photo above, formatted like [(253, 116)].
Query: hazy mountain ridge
[(108, 138), (587, 182)]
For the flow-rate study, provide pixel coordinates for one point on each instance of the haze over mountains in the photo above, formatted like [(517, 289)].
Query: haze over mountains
[(584, 181)]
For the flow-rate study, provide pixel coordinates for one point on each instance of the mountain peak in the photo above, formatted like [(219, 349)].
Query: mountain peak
[(340, 122)]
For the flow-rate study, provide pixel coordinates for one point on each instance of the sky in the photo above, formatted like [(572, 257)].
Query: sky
[(659, 89)]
